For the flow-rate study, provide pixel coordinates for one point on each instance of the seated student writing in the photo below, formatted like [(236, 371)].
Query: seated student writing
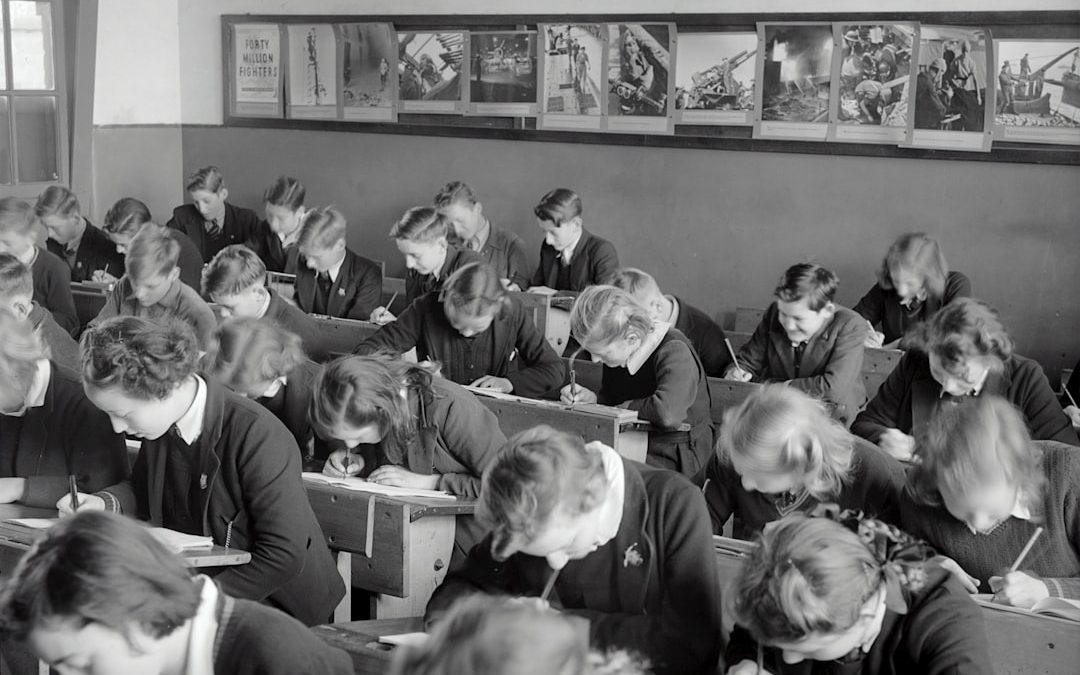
[(1072, 395), (914, 282), (235, 280), (331, 280), (211, 221), (421, 234), (52, 277), (780, 452), (807, 341), (620, 544), (963, 350), (48, 429), (501, 248), (649, 367), (475, 331), (99, 594), (571, 257), (284, 208), (815, 597), (72, 238), (704, 334), (212, 463), (267, 364), (980, 490), (124, 220), (17, 297), (151, 286)]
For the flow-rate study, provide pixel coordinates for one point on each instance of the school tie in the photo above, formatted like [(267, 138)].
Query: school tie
[(796, 355), (213, 228)]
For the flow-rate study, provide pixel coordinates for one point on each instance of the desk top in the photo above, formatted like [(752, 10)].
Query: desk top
[(360, 639), (419, 507)]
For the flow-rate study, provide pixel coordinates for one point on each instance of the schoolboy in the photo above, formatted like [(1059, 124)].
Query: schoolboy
[(123, 221), (571, 257), (212, 222), (17, 297), (331, 279), (501, 248), (73, 238)]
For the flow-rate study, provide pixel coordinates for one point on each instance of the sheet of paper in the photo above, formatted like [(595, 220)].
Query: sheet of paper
[(362, 485), (180, 541), (35, 523), (405, 639)]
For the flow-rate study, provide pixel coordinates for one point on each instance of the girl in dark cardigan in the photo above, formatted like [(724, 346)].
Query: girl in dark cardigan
[(480, 336), (780, 452), (649, 367)]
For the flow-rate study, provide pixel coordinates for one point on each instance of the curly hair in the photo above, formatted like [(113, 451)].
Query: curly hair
[(147, 359), (807, 280), (246, 354), (963, 329)]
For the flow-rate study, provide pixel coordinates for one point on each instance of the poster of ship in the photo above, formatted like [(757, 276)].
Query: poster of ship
[(1038, 93)]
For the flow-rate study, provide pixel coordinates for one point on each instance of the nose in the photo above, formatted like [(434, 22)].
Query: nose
[(980, 522), (549, 239), (596, 358), (410, 262), (557, 560), (118, 425), (792, 657), (310, 263), (748, 484)]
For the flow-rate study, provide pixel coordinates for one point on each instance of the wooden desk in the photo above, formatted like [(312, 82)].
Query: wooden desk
[(360, 639), (89, 299), (728, 394), (552, 322), (397, 548), (340, 336)]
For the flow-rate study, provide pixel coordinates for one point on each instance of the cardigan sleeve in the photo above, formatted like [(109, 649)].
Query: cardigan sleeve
[(1068, 476), (1045, 417), (401, 335), (884, 410), (540, 369), (844, 367), (605, 263), (368, 294), (872, 305), (677, 378), (752, 354), (472, 436), (945, 634), (517, 262), (129, 496)]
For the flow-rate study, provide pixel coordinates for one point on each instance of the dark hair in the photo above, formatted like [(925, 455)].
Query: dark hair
[(208, 178), (126, 217), (474, 289), (558, 206), (102, 568), (286, 191), (960, 330), (807, 280), (248, 352), (145, 358), (455, 191), (234, 269), (57, 200), (421, 223)]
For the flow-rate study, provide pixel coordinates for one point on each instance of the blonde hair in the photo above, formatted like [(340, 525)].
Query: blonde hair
[(603, 314), (778, 429), (246, 353), (963, 329), (57, 200), (322, 228), (634, 281), (153, 252), (921, 254), (21, 347), (16, 215), (207, 178), (421, 223)]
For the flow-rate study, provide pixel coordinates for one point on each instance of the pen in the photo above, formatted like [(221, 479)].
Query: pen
[(1071, 399), (573, 377), (550, 584), (73, 489), (731, 351), (1027, 549), (392, 299)]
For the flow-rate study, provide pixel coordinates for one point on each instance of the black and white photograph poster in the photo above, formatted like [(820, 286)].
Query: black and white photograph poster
[(368, 64), (1038, 91), (431, 71), (794, 69), (954, 89), (872, 74), (502, 74), (714, 79), (571, 76), (640, 89), (256, 64), (312, 71)]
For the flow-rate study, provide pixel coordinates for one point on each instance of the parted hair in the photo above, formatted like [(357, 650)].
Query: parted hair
[(558, 206), (146, 359), (235, 269), (321, 228), (15, 277), (21, 347), (153, 252), (474, 290), (57, 200), (98, 568), (918, 253), (807, 280), (286, 191), (126, 216), (247, 353), (207, 178), (960, 330), (421, 223), (538, 472), (455, 192), (780, 430), (16, 215), (634, 281), (603, 314)]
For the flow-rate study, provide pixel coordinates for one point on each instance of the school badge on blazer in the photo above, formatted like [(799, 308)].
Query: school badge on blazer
[(341, 292), (632, 556)]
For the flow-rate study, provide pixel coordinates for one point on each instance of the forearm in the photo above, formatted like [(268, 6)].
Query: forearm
[(460, 484)]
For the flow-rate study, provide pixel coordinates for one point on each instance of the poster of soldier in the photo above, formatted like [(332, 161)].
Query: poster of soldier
[(502, 73), (871, 75), (1038, 91), (368, 62), (952, 85), (312, 71), (639, 87), (794, 71), (571, 75), (714, 80), (430, 71)]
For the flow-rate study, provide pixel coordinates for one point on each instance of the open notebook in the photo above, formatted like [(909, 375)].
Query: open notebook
[(1057, 607), (361, 485), (177, 541)]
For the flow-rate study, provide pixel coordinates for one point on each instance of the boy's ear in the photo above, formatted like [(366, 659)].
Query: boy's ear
[(224, 192), (829, 309), (174, 273), (575, 221)]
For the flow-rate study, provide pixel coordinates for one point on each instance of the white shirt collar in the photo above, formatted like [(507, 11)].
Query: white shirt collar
[(204, 627), (568, 253), (289, 239), (649, 343), (335, 270), (39, 386), (265, 305), (481, 237), (611, 511), (672, 318), (29, 257), (190, 425)]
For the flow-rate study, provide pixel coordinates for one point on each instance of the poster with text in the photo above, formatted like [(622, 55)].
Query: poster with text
[(502, 74), (714, 80), (871, 76), (794, 69), (640, 86), (431, 70), (313, 61), (571, 76), (368, 64), (1038, 91), (256, 70)]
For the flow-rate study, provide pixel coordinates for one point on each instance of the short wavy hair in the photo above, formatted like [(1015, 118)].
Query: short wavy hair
[(247, 353), (962, 329), (919, 253), (603, 314), (807, 280), (145, 358)]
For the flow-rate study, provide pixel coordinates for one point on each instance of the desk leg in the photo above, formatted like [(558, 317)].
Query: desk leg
[(343, 612), (429, 545), (632, 445)]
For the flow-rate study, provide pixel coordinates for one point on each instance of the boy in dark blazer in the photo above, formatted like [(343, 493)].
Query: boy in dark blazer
[(331, 280), (72, 238), (211, 222), (17, 297), (571, 257), (501, 248)]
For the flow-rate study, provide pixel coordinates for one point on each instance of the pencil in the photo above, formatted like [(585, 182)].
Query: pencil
[(550, 584), (73, 490), (392, 299), (760, 659), (1027, 549), (1071, 399), (734, 359), (573, 377)]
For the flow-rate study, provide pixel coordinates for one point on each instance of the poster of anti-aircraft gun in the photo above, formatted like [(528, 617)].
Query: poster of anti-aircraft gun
[(714, 80), (1038, 91), (432, 71), (312, 80), (794, 80), (871, 76), (368, 62), (571, 76), (502, 74), (640, 89)]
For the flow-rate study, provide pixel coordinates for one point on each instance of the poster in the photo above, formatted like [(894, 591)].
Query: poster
[(1037, 97), (794, 69), (571, 76), (503, 74), (640, 91), (431, 69), (714, 79), (872, 73), (257, 70), (952, 85), (368, 64), (312, 71)]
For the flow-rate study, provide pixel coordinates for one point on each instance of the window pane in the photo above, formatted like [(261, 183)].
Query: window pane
[(5, 142), (3, 59), (31, 45), (35, 138)]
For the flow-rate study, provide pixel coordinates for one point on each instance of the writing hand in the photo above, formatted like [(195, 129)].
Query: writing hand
[(500, 384), (342, 464), (86, 503)]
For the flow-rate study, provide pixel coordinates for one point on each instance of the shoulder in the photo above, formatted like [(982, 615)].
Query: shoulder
[(871, 461), (598, 244), (846, 320), (462, 257), (186, 212), (192, 300), (501, 237), (269, 641), (47, 261), (242, 214), (360, 263), (692, 315), (1023, 368), (956, 280), (662, 485), (675, 345), (451, 396), (1061, 462)]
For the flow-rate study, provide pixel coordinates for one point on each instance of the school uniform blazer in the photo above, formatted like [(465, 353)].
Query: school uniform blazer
[(419, 284), (96, 252), (66, 435), (505, 251), (424, 325), (593, 262), (64, 349), (661, 597), (52, 289), (831, 366), (253, 499), (909, 397), (291, 318), (267, 245), (180, 301), (706, 337), (881, 306), (190, 261), (241, 226), (295, 400), (354, 294)]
